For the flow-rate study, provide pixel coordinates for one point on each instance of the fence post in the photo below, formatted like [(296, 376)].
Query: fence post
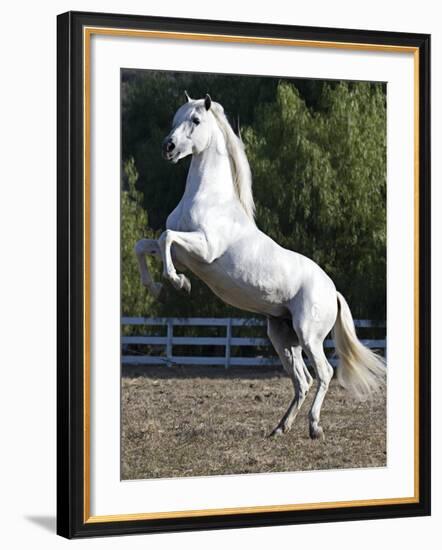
[(228, 337), (169, 345)]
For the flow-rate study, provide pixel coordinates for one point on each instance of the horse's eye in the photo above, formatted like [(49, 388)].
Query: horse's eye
[(196, 121)]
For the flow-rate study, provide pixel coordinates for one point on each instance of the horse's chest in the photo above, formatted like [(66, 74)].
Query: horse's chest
[(189, 222), (191, 218)]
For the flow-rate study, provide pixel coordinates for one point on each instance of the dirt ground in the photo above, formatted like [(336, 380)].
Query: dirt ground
[(192, 421)]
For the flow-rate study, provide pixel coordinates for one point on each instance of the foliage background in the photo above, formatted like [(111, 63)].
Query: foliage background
[(317, 151)]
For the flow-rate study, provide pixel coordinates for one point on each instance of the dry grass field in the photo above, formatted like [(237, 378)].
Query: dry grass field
[(192, 421)]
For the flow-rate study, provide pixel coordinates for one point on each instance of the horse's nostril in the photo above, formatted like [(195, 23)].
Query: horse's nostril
[(168, 146)]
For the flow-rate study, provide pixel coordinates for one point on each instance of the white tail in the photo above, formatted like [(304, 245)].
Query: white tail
[(360, 371)]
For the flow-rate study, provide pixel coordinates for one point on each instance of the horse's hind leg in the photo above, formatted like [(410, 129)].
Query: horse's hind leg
[(286, 344), (324, 373), (143, 248)]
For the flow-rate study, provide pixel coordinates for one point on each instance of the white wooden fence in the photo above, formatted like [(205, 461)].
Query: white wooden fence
[(130, 356)]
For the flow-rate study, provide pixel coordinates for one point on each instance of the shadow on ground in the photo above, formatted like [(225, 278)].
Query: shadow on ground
[(199, 372), (48, 523)]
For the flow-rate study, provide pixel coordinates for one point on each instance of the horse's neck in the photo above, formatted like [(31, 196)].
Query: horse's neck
[(210, 175)]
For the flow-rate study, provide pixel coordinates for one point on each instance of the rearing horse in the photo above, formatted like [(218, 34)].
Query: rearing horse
[(212, 232)]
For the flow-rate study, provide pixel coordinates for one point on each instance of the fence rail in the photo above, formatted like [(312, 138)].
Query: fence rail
[(129, 357)]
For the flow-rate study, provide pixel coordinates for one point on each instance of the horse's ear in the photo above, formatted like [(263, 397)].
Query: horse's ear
[(187, 96), (207, 102)]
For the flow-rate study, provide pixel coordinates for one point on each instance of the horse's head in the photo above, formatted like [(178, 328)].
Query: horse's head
[(192, 129)]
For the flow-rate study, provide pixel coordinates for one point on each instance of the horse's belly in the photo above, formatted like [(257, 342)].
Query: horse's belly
[(243, 288), (256, 274)]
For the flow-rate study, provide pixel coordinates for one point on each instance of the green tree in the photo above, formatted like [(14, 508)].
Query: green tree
[(320, 183), (135, 300)]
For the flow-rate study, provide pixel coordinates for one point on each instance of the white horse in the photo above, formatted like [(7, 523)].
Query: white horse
[(212, 232)]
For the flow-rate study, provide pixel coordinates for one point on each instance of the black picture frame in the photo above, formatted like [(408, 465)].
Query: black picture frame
[(72, 392)]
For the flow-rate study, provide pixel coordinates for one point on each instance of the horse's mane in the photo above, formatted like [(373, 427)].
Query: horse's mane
[(242, 176)]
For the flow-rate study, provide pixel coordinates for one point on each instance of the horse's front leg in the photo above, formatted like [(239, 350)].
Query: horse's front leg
[(143, 248), (193, 243)]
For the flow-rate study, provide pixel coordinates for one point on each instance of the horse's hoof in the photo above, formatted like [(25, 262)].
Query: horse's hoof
[(316, 433), (185, 283), (277, 432)]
